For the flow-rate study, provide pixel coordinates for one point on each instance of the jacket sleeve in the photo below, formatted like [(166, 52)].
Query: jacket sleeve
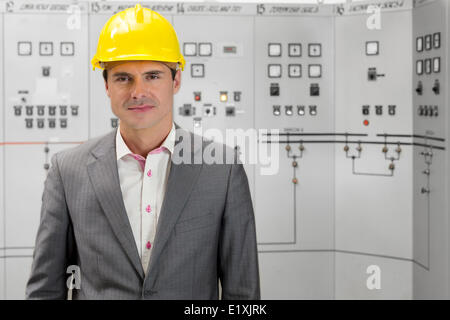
[(238, 254), (54, 242)]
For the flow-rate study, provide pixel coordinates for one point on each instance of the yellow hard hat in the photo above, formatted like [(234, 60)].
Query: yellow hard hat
[(137, 34)]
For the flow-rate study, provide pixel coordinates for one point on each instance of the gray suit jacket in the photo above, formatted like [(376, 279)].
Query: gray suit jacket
[(206, 230)]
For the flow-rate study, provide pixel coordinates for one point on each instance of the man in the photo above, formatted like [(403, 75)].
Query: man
[(136, 223)]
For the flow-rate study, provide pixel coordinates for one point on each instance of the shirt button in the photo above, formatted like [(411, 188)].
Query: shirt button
[(149, 245), (149, 173), (148, 209)]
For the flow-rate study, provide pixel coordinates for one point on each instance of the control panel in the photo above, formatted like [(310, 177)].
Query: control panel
[(345, 102), (46, 91), (216, 90)]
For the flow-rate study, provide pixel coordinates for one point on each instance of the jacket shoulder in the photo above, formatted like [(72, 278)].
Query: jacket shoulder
[(81, 152)]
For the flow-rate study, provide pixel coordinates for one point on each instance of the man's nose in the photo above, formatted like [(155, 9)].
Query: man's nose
[(139, 90)]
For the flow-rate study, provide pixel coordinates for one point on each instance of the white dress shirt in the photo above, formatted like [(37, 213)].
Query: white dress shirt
[(143, 183)]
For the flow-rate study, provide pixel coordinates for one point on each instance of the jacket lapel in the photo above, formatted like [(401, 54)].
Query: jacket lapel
[(104, 177), (182, 179)]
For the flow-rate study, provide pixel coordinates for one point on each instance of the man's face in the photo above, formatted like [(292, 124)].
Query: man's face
[(141, 92)]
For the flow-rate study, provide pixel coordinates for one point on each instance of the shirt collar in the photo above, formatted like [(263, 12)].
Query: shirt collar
[(123, 150)]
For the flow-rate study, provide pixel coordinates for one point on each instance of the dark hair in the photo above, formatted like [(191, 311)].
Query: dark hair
[(105, 74)]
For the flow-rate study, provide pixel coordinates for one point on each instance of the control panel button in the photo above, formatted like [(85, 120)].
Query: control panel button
[(295, 70), (274, 50), (419, 67), (276, 110), (40, 110), (288, 110), (74, 110), (52, 123), (419, 44), (209, 110), (419, 88), (205, 49), (428, 68), (197, 70), (230, 111), (420, 111), (46, 48), (114, 122), (365, 110), (436, 65), (428, 40), (314, 90), (314, 50), (17, 110), (435, 111), (29, 123), (295, 49), (29, 110), (67, 49), (63, 110), (45, 71), (274, 89), (187, 110), (24, 48), (313, 110), (40, 123), (51, 110), (315, 71), (223, 96), (274, 70), (391, 110), (378, 110), (437, 40), (372, 48), (436, 87), (190, 49)]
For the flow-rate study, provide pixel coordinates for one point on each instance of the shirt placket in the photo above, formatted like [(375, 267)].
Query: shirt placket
[(135, 215), (148, 209)]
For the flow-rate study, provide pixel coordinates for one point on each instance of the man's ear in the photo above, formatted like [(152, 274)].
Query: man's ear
[(177, 81), (106, 88)]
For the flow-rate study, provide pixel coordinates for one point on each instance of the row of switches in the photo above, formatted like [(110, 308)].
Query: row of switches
[(436, 87), (41, 110), (288, 110), (41, 123), (379, 110), (428, 111)]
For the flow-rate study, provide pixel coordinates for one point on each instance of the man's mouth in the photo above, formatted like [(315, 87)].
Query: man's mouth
[(141, 108)]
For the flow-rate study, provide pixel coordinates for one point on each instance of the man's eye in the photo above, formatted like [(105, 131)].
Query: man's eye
[(153, 76), (122, 79)]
